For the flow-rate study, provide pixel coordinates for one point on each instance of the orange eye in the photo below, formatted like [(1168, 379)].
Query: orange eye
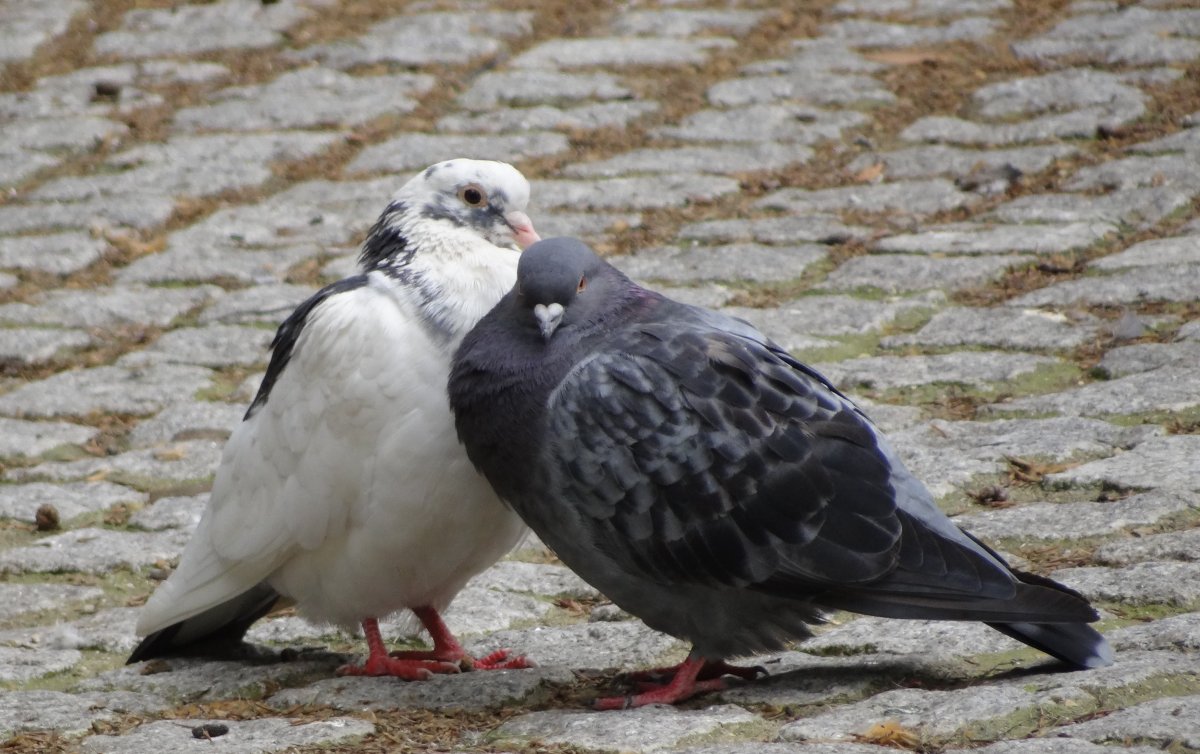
[(582, 285)]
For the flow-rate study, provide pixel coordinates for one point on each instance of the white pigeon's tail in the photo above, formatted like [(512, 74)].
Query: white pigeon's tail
[(215, 632)]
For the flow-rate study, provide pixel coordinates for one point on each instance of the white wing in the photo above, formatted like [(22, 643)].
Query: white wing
[(292, 476)]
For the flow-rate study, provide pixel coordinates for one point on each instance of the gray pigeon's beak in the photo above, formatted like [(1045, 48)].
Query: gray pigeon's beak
[(549, 316), (522, 228)]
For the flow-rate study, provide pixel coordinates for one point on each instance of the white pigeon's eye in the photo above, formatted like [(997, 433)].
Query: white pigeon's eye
[(473, 195), (582, 284)]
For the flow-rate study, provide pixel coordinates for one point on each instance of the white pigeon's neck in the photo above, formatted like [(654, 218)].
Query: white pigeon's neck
[(454, 277)]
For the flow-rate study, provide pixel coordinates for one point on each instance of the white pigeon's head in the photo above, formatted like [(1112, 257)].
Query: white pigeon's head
[(456, 202)]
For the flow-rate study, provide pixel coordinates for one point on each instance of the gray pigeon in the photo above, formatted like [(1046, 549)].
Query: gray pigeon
[(711, 484), (344, 490)]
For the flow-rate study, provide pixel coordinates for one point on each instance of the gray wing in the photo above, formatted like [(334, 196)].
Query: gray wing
[(693, 454)]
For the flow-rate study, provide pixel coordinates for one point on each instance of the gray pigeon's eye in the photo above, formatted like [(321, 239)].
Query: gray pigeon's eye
[(473, 195), (582, 284)]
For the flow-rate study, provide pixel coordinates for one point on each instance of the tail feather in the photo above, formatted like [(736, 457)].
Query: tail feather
[(1076, 644), (215, 632)]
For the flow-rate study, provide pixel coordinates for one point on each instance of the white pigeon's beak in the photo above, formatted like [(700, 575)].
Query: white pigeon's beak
[(549, 317), (522, 227)]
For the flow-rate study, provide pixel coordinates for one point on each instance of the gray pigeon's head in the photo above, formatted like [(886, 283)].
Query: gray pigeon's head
[(565, 283)]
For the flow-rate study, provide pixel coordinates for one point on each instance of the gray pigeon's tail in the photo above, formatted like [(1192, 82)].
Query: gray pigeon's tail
[(216, 632), (1076, 644)]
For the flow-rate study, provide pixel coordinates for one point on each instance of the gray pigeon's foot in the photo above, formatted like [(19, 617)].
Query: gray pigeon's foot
[(693, 676)]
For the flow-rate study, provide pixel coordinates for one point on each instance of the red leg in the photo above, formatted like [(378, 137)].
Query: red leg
[(379, 663), (693, 676), (447, 649)]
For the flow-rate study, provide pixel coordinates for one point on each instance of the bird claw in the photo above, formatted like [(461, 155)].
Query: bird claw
[(499, 660), (409, 670)]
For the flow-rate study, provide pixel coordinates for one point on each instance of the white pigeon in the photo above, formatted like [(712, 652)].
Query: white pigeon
[(344, 489)]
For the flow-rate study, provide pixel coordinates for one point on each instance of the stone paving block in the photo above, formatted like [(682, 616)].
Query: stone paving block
[(470, 691), (26, 438), (1170, 721), (193, 29), (1147, 583), (642, 192), (1054, 746), (67, 714), (1083, 123), (535, 578), (1178, 633), (58, 253), (24, 664), (539, 87), (105, 389), (920, 8), (26, 26), (646, 729), (1167, 389), (16, 167), (902, 197), (140, 211), (1137, 172), (1077, 520), (191, 165), (37, 346), (586, 225), (111, 630), (91, 550), (818, 87), (1145, 357), (1000, 327), (22, 599), (180, 462), (625, 645), (108, 307), (976, 368), (1128, 36), (867, 33), (243, 736), (545, 117), (817, 54), (414, 151), (817, 228), (906, 273), (685, 22), (264, 304), (729, 159), (758, 747), (185, 420), (732, 262), (184, 680), (939, 159), (801, 124), (709, 295), (620, 51), (331, 99), (945, 640), (1180, 250), (1158, 462), (978, 715), (171, 513), (182, 262), (1069, 89), (1186, 141), (418, 39), (1139, 207), (21, 501), (210, 346), (1135, 286), (834, 315), (1175, 545), (965, 238)]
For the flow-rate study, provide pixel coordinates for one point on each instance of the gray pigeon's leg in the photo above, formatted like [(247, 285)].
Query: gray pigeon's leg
[(447, 649), (695, 675)]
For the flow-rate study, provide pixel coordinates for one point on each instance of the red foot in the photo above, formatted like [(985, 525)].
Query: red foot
[(409, 670), (447, 649), (693, 676)]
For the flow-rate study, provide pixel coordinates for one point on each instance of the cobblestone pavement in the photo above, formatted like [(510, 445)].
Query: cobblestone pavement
[(980, 217)]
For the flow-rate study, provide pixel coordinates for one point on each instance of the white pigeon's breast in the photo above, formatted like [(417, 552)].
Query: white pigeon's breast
[(379, 502)]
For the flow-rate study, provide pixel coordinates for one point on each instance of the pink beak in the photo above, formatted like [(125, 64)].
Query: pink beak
[(523, 232)]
